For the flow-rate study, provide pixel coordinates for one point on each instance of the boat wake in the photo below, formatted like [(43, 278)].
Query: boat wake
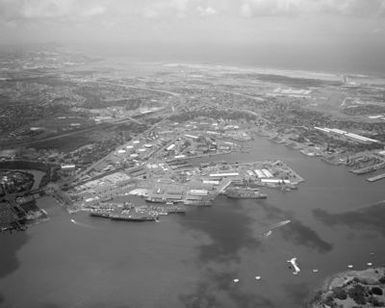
[(80, 224), (278, 225)]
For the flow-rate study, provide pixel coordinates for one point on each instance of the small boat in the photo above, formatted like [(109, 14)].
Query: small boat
[(268, 233)]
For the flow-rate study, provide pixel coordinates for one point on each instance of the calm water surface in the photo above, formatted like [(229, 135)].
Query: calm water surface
[(191, 260)]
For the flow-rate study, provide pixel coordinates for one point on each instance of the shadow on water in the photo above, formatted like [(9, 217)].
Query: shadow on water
[(94, 305), (228, 228), (8, 255), (231, 230), (298, 293), (107, 304), (50, 305), (300, 234), (371, 218), (218, 290)]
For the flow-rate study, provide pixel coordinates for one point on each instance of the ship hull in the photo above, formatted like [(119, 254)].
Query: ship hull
[(247, 197), (133, 219)]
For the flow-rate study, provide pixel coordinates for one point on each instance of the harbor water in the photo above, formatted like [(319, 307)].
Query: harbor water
[(233, 254)]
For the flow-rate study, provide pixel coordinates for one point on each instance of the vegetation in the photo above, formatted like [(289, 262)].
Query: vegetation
[(364, 288), (358, 294), (340, 293), (377, 291)]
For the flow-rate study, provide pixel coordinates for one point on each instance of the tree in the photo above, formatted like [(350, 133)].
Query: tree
[(377, 291), (340, 293), (357, 293)]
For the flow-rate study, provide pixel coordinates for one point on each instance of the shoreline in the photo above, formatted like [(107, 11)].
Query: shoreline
[(326, 75), (352, 287)]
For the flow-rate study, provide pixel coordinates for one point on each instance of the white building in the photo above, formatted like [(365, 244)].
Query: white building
[(224, 174), (170, 147)]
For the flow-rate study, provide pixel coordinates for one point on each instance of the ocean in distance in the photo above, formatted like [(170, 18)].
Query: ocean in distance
[(337, 59)]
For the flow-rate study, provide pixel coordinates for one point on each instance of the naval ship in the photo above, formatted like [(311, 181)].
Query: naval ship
[(244, 193), (131, 214)]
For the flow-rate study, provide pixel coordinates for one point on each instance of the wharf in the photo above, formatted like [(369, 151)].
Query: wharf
[(376, 178)]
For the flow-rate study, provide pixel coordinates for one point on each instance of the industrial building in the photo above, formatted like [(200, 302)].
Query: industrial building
[(219, 175)]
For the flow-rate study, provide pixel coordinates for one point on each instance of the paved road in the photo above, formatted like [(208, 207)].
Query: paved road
[(175, 110)]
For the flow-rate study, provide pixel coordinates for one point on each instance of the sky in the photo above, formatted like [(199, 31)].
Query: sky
[(294, 26)]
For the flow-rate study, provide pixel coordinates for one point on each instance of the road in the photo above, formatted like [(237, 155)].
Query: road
[(174, 108)]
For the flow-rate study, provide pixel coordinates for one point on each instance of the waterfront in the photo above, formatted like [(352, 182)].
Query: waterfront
[(192, 260)]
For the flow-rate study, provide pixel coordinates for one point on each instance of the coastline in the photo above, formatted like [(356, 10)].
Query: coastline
[(352, 287)]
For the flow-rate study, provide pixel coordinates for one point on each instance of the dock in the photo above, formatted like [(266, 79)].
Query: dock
[(376, 178)]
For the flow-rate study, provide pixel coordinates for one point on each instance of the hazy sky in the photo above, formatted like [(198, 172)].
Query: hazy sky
[(357, 25), (191, 20)]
